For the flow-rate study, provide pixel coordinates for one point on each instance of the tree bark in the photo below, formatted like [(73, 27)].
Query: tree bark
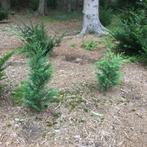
[(5, 4), (91, 21), (42, 10)]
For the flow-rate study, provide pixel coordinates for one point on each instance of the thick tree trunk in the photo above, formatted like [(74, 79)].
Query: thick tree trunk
[(5, 4), (91, 21), (42, 10)]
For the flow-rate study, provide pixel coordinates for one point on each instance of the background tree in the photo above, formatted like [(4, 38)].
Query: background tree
[(91, 21), (42, 9), (5, 4)]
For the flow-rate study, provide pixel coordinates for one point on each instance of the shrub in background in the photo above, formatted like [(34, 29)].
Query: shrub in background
[(108, 71), (3, 14), (106, 15), (90, 45), (132, 34)]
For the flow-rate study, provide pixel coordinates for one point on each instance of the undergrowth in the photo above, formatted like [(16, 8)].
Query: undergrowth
[(90, 45)]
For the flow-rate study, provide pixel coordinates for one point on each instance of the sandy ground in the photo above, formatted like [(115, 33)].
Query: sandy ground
[(84, 117)]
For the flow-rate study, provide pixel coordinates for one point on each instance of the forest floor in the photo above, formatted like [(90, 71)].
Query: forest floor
[(83, 117)]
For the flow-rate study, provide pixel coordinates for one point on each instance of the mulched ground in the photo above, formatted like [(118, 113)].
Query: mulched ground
[(84, 117)]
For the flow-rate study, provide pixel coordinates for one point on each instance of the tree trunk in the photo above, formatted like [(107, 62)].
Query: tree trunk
[(91, 21), (5, 4), (42, 10), (69, 5)]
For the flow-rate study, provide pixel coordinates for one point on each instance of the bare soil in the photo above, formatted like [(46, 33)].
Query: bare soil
[(83, 117)]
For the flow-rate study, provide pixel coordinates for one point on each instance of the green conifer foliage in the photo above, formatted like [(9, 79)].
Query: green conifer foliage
[(34, 92), (108, 71)]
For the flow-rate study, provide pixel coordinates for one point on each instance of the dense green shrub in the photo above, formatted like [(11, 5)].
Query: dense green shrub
[(108, 71), (90, 45), (106, 16), (3, 14), (132, 34), (36, 33), (34, 92), (3, 60)]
